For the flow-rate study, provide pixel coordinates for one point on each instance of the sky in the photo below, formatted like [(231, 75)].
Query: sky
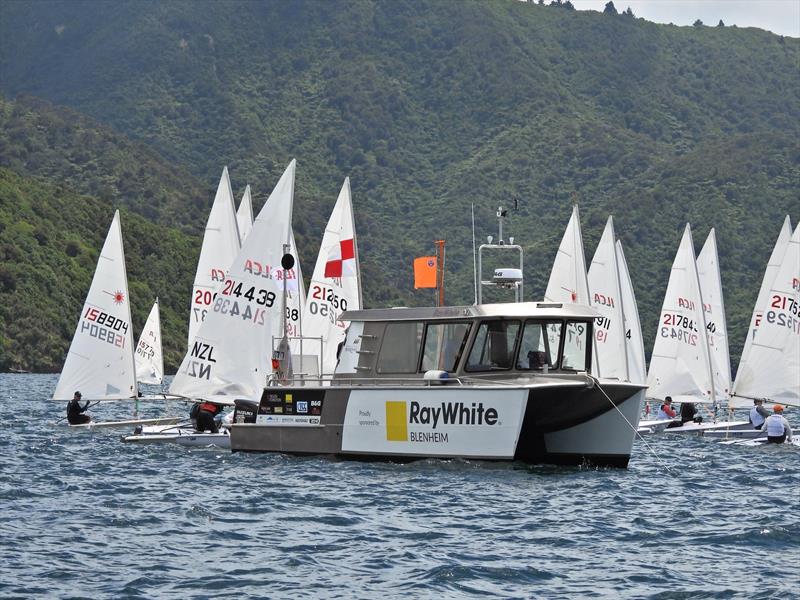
[(779, 16)]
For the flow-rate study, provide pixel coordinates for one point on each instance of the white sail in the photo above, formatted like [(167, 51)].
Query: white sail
[(220, 246), (149, 357), (680, 365), (244, 215), (775, 259), (335, 284), (609, 329), (772, 366), (231, 354), (633, 330), (295, 296), (714, 308), (99, 363), (568, 283)]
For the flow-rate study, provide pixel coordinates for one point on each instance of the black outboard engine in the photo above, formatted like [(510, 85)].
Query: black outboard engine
[(245, 411)]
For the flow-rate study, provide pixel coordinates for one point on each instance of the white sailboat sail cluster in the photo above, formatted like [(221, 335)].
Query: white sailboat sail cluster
[(770, 363), (680, 365), (230, 356), (100, 361)]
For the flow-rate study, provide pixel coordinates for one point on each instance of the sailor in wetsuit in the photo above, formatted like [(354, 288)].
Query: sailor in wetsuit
[(205, 416), (689, 413), (74, 411)]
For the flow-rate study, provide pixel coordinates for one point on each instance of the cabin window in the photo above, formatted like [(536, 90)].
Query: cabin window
[(400, 348), (575, 346), (494, 345), (444, 344), (539, 346)]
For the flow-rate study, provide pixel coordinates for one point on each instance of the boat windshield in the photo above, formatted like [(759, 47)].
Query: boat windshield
[(444, 344), (539, 346), (494, 345)]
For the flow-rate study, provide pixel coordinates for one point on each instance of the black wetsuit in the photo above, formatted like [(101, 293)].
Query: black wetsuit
[(74, 411)]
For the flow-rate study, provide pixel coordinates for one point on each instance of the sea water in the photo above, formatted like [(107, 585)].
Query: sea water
[(84, 515)]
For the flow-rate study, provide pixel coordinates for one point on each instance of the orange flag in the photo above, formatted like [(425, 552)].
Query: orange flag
[(425, 272)]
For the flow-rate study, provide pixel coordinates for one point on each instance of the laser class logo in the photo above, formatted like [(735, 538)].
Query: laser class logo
[(399, 415)]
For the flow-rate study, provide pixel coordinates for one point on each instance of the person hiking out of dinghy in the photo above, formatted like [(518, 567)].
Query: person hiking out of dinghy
[(778, 429), (75, 410), (205, 416), (667, 412), (758, 414), (689, 413)]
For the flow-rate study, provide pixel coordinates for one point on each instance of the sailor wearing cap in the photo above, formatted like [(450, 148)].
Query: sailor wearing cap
[(777, 427), (74, 411)]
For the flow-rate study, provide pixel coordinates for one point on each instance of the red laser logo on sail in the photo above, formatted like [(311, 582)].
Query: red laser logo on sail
[(119, 297)]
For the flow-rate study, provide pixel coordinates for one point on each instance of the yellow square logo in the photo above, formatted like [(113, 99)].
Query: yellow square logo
[(288, 398), (396, 424)]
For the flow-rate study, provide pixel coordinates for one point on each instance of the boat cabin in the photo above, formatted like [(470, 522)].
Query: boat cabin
[(490, 340)]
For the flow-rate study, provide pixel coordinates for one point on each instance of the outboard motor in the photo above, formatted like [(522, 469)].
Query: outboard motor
[(245, 411)]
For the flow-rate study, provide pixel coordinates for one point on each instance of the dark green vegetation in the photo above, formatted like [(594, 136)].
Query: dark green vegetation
[(428, 107), (51, 238)]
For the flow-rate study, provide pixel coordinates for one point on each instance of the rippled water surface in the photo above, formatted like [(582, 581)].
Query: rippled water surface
[(82, 514)]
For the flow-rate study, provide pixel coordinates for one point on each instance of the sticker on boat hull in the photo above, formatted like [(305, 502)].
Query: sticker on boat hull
[(434, 422)]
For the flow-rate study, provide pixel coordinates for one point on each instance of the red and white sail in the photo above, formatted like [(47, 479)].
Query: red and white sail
[(220, 246), (231, 354), (149, 358), (714, 308), (681, 365), (99, 362), (335, 285)]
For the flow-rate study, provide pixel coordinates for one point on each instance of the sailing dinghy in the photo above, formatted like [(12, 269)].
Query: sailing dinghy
[(770, 369), (335, 287), (149, 357), (101, 361), (230, 357)]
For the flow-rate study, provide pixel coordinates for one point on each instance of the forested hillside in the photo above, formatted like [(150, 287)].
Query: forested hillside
[(429, 107)]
